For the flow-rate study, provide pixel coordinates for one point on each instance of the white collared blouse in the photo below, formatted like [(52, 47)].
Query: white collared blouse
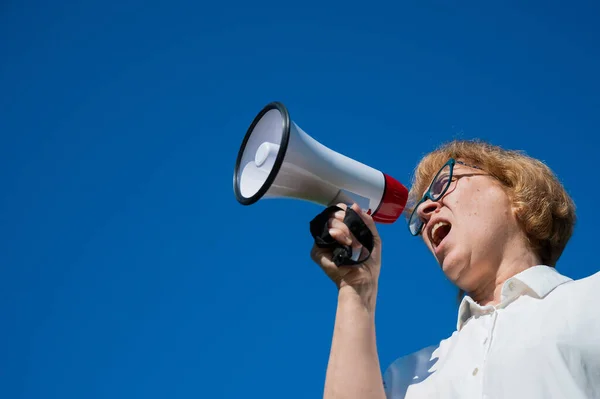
[(541, 342)]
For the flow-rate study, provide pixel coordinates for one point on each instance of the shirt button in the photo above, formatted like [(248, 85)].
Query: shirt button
[(511, 286), (475, 370)]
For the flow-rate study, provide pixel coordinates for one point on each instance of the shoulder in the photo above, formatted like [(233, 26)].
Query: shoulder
[(589, 285), (571, 308), (591, 279), (413, 368)]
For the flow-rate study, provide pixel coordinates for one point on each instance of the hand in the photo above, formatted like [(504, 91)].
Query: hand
[(363, 277)]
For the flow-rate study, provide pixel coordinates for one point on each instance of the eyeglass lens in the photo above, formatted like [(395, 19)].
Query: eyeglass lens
[(440, 184), (437, 188)]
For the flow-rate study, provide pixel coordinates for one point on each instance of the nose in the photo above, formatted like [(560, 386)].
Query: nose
[(427, 208)]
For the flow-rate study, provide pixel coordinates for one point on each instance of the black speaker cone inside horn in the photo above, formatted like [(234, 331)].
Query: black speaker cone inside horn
[(261, 154)]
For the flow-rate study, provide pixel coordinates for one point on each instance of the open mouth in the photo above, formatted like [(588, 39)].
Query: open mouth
[(439, 231)]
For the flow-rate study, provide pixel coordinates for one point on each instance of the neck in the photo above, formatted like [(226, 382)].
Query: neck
[(489, 291)]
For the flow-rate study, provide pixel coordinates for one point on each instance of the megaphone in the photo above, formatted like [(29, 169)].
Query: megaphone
[(277, 159)]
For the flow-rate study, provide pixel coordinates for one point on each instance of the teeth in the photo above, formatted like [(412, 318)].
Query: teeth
[(434, 230)]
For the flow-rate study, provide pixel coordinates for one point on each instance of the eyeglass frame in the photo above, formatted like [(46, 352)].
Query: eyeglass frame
[(451, 162)]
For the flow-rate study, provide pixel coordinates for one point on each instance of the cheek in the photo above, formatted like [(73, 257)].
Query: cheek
[(484, 210), (471, 206)]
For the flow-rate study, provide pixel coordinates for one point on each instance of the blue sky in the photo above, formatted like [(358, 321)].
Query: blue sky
[(127, 267)]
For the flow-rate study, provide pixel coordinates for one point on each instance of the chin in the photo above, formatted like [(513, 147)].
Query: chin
[(449, 270), (453, 269)]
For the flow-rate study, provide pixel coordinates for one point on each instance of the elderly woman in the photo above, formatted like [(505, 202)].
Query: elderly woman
[(497, 222)]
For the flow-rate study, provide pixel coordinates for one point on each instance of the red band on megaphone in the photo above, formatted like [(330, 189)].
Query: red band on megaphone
[(393, 202)]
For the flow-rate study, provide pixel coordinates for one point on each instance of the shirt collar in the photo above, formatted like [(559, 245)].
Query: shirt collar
[(536, 281)]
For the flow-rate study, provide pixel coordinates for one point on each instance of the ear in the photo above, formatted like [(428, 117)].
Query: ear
[(516, 210), (517, 207), (520, 212)]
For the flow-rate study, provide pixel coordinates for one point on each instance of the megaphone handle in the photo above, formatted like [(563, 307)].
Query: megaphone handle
[(342, 254)]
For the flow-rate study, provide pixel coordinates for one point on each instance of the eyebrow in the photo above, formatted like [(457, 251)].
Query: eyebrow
[(468, 165), (467, 173)]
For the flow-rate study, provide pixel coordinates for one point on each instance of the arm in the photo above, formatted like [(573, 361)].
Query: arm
[(353, 370)]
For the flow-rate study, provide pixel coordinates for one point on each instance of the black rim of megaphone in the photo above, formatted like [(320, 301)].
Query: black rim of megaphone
[(285, 137)]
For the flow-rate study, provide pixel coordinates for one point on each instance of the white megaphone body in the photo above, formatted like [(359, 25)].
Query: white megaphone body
[(277, 159)]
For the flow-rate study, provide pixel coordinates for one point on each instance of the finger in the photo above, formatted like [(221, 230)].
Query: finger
[(325, 262), (339, 215), (320, 255), (334, 225), (338, 224), (342, 234), (342, 205), (343, 237)]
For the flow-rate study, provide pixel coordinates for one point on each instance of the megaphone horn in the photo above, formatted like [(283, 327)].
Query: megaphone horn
[(277, 159)]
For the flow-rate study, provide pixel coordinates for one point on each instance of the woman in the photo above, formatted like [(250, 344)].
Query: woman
[(497, 222)]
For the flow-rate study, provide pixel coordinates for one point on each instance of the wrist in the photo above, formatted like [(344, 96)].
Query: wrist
[(364, 296)]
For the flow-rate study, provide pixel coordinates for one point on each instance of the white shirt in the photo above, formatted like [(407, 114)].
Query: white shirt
[(541, 342)]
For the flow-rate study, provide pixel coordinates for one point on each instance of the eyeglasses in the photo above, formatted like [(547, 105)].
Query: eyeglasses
[(438, 187)]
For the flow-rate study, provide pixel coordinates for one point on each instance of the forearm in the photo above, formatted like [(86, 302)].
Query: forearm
[(353, 370)]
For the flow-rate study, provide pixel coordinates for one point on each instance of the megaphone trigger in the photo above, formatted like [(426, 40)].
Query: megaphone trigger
[(343, 255)]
